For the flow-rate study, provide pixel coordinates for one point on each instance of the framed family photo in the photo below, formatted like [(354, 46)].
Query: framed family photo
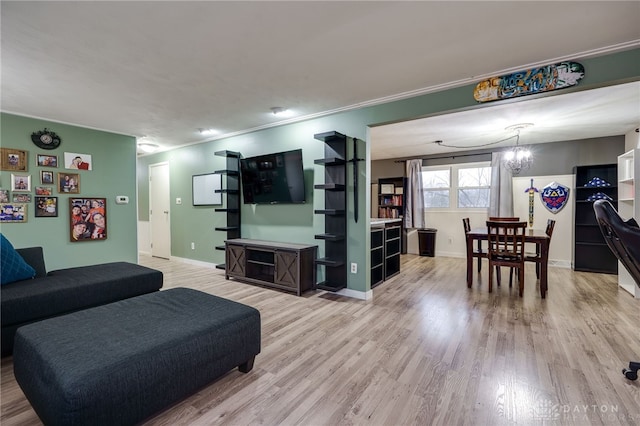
[(87, 219), (77, 161), (21, 183), (46, 177), (44, 190), (13, 213), (68, 183), (4, 195), (46, 207), (21, 198), (13, 159), (44, 160)]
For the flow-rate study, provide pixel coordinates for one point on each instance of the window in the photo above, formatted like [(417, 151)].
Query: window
[(460, 186)]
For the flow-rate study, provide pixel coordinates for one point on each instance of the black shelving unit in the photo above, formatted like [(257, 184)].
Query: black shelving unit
[(335, 204), (391, 204), (377, 256), (591, 253), (232, 193)]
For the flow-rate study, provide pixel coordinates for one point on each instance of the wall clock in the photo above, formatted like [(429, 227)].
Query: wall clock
[(46, 139)]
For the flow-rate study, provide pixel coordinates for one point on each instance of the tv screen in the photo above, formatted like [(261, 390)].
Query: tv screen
[(273, 178)]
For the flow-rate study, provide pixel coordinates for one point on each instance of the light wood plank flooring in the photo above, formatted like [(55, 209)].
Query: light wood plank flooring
[(426, 350)]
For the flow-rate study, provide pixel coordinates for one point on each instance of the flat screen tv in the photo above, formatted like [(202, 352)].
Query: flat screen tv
[(273, 178)]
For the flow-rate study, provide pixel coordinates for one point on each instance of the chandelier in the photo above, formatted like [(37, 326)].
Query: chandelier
[(518, 158)]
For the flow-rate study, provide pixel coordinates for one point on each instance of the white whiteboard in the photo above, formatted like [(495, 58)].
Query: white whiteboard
[(204, 189)]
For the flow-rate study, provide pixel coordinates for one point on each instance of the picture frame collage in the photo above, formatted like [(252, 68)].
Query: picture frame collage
[(41, 189)]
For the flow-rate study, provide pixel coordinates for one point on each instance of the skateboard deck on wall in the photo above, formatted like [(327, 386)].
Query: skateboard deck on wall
[(529, 82)]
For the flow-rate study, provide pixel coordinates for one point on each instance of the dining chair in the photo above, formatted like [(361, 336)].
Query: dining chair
[(535, 257), (479, 252), (506, 248), (504, 219)]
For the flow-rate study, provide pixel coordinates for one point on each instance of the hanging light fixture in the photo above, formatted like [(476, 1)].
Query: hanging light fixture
[(518, 158)]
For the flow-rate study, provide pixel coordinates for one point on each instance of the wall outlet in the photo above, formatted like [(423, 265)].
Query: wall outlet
[(193, 246), (354, 268), (178, 200)]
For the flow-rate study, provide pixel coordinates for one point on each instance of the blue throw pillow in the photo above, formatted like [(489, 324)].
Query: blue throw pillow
[(12, 265)]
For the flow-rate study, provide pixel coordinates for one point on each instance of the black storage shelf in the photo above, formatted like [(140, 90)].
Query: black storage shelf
[(326, 261), (232, 193), (335, 206), (332, 237), (332, 212), (333, 161), (330, 187), (591, 252)]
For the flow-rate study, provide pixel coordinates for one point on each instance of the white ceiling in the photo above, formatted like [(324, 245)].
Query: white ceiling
[(166, 68)]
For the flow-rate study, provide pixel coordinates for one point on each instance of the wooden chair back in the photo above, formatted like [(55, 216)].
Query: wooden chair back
[(465, 223), (503, 219), (506, 242), (550, 225)]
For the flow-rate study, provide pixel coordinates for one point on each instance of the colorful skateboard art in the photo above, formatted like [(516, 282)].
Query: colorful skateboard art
[(529, 82)]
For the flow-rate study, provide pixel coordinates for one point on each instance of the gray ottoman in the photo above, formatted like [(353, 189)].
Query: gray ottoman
[(120, 363)]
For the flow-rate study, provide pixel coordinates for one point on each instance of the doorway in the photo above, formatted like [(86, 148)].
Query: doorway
[(159, 210)]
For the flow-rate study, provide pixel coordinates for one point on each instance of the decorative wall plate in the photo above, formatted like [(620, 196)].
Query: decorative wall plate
[(46, 139)]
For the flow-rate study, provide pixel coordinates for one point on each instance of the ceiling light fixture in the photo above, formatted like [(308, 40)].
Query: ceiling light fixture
[(148, 147), (207, 132), (280, 111), (518, 158)]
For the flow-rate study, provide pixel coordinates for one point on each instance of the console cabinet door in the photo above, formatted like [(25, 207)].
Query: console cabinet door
[(236, 260), (286, 268)]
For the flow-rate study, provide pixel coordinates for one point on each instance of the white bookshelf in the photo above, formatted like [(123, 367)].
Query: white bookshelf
[(628, 206)]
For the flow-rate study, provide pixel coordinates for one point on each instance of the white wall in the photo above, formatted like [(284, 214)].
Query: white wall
[(561, 249)]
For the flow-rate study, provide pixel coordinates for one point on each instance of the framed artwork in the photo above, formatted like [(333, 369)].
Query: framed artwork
[(77, 161), (204, 189), (13, 213), (87, 219), (46, 207), (21, 198), (4, 195), (45, 160), (44, 190), (13, 159), (68, 183), (20, 182), (46, 177)]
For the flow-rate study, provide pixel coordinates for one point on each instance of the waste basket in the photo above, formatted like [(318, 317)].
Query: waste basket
[(427, 241)]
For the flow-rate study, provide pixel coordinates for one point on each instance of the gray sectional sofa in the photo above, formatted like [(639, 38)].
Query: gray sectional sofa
[(64, 291)]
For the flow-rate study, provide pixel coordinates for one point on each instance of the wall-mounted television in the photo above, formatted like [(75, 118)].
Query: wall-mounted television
[(273, 178)]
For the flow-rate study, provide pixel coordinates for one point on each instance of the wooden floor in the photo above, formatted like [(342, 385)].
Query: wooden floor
[(426, 350)]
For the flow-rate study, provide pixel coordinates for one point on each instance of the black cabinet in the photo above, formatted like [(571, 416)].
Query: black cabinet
[(377, 256), (591, 253), (335, 205), (392, 248), (232, 193)]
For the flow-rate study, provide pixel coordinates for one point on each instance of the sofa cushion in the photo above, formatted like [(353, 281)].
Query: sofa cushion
[(72, 289), (12, 266)]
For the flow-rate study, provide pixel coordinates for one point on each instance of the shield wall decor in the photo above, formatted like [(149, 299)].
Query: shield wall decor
[(554, 196)]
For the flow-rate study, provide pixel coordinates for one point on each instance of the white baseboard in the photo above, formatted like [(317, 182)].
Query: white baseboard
[(194, 262), (362, 295)]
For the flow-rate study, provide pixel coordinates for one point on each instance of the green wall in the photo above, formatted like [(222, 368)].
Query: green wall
[(114, 173), (297, 223)]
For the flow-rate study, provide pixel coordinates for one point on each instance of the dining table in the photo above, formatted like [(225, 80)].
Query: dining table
[(535, 236)]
